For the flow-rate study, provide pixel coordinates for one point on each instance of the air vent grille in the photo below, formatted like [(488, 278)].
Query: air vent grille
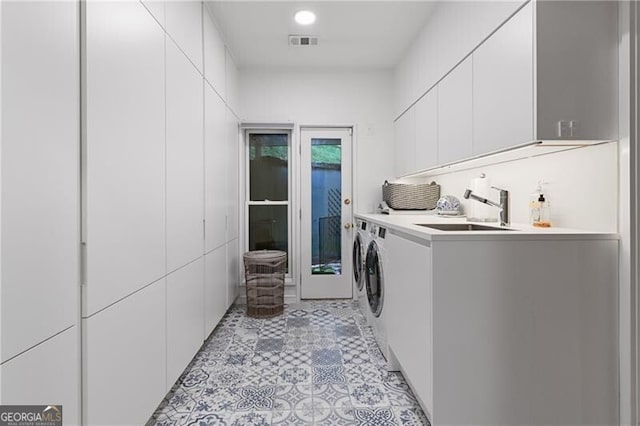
[(303, 40)]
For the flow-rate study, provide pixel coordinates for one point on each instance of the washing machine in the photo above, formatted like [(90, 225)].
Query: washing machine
[(374, 286), (360, 243)]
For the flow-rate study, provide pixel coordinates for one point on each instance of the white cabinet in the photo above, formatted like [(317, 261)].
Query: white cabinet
[(474, 314), (233, 175), (577, 69), (185, 172), (46, 374), (426, 117), (216, 276), (40, 173), (503, 86), (233, 270), (231, 85), (410, 310), (185, 329), (562, 62), (184, 25), (156, 9), (214, 55), (124, 361), (215, 171), (125, 151), (405, 143), (455, 115)]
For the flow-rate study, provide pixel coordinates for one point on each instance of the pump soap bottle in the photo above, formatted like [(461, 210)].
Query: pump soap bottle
[(539, 214)]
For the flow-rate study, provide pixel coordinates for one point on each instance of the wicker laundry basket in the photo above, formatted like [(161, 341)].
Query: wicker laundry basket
[(264, 274)]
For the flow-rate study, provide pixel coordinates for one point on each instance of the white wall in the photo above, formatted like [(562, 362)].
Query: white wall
[(326, 97), (581, 190)]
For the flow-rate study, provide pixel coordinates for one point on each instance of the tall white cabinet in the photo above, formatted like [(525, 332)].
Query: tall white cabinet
[(40, 205), (124, 152), (160, 189)]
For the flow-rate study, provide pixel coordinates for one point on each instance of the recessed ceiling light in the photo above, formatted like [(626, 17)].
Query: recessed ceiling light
[(305, 17)]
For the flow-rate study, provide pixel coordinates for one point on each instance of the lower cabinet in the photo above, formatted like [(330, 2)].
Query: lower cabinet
[(185, 327), (409, 311), (48, 374), (506, 331), (124, 361), (215, 287)]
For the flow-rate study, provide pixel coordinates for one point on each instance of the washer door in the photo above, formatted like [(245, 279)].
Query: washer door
[(358, 264), (374, 279)]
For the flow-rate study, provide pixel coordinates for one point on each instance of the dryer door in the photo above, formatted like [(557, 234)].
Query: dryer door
[(374, 279), (358, 264)]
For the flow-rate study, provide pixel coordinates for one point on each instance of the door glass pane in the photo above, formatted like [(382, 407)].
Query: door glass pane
[(268, 167), (268, 228), (326, 206)]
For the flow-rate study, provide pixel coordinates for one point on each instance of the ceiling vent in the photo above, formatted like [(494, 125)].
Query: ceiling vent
[(303, 40)]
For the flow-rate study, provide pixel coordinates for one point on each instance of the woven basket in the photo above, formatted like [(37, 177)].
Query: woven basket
[(411, 196), (264, 274)]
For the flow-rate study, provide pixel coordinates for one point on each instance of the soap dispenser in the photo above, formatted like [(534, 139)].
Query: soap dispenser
[(539, 214)]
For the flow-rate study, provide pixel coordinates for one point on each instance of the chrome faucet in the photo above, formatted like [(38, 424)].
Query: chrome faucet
[(503, 206)]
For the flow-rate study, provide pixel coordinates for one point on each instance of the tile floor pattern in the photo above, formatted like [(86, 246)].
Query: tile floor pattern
[(317, 364)]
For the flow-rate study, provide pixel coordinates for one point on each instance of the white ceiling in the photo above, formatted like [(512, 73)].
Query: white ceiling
[(352, 34)]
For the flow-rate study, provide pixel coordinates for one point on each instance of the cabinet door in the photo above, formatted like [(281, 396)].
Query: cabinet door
[(40, 172), (184, 160), (409, 307), (231, 84), (503, 86), (214, 55), (233, 271), (46, 374), (455, 115), (233, 175), (215, 172), (183, 20), (426, 117), (215, 287), (124, 362), (405, 143), (125, 151), (185, 330)]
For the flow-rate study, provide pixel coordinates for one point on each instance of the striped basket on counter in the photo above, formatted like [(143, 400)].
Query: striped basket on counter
[(411, 196)]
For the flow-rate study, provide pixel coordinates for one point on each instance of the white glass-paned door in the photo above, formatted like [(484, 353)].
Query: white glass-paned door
[(326, 230)]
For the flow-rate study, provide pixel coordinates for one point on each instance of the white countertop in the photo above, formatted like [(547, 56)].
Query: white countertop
[(407, 224)]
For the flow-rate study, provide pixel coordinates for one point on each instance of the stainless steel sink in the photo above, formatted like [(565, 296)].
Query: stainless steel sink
[(461, 227)]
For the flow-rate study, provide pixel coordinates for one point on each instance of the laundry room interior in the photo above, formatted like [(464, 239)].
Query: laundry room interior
[(230, 212)]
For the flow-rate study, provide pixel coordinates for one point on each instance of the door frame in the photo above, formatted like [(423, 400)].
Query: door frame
[(297, 140)]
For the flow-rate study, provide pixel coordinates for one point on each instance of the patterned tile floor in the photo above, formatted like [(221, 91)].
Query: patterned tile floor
[(317, 364)]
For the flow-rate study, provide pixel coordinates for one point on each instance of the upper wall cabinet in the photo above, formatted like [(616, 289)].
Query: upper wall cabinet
[(214, 55), (503, 86), (40, 172), (455, 114), (184, 25), (184, 159), (125, 132), (453, 29), (577, 69), (426, 127), (405, 143), (560, 61), (548, 73)]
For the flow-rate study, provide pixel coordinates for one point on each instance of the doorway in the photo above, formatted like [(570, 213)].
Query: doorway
[(326, 213)]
